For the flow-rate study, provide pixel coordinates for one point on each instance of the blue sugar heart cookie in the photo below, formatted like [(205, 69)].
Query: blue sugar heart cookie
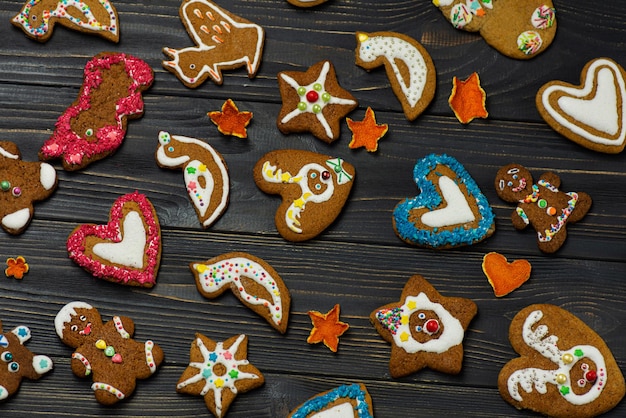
[(450, 211)]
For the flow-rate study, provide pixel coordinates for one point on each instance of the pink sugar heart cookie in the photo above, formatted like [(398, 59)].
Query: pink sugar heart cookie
[(126, 250)]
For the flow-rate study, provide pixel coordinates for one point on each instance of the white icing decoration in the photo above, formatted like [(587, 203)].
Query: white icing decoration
[(451, 335), (457, 210), (205, 371), (17, 220), (130, 250), (397, 49), (204, 51), (343, 410), (22, 333), (42, 364), (47, 176), (66, 313), (4, 393), (273, 175), (7, 154), (321, 80), (605, 102), (546, 345), (213, 277)]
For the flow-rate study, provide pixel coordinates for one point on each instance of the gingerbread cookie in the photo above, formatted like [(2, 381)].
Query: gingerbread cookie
[(253, 281), (564, 370), (505, 277), (541, 205), (18, 362), (516, 28), (219, 371), (409, 67), (230, 121), (204, 170), (126, 250), (313, 102), (21, 184), (222, 40), (327, 328), (352, 401), (592, 114), (94, 126), (450, 211), (425, 329), (106, 351), (314, 187), (38, 17), (306, 3)]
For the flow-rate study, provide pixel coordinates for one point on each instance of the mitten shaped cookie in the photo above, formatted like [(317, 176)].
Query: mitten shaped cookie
[(516, 28), (106, 351), (18, 362), (541, 205), (94, 126), (21, 183)]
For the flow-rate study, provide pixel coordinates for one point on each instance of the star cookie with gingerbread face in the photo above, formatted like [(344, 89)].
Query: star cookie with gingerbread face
[(425, 329), (313, 101), (541, 205)]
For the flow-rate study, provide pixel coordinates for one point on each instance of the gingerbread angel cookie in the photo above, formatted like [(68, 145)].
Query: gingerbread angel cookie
[(516, 28), (21, 184), (38, 17), (424, 328), (18, 362), (541, 205), (94, 126), (106, 351)]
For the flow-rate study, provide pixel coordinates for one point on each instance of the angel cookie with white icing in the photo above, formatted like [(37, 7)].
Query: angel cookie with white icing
[(450, 211), (564, 370), (126, 250), (425, 329)]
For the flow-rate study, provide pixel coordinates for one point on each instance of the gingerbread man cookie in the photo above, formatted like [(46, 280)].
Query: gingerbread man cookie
[(94, 126), (516, 28), (106, 351), (541, 205), (18, 362), (38, 17), (21, 183)]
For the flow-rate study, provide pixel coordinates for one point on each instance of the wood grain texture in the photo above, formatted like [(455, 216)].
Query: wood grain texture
[(358, 262)]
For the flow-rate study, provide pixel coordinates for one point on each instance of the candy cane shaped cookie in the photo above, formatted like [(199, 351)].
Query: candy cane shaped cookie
[(206, 174), (408, 65), (253, 281)]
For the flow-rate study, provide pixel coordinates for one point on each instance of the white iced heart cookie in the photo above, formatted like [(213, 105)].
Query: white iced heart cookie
[(592, 114)]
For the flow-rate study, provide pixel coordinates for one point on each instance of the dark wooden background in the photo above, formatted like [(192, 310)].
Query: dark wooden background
[(358, 262)]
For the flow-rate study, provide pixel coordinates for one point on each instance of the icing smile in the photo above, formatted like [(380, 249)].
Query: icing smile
[(521, 186), (87, 330)]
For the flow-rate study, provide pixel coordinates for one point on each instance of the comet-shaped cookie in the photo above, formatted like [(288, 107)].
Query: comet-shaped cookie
[(254, 282), (409, 67), (205, 173), (38, 17)]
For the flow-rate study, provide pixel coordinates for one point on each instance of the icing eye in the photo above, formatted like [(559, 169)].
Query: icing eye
[(419, 328), (89, 132), (421, 315), (7, 356), (192, 66), (74, 328), (515, 177), (584, 366), (582, 383), (513, 171), (13, 367), (313, 175), (82, 318), (501, 184), (318, 187), (170, 149), (510, 183)]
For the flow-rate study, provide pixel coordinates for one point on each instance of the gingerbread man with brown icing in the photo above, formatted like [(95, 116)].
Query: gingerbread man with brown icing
[(541, 204), (106, 351)]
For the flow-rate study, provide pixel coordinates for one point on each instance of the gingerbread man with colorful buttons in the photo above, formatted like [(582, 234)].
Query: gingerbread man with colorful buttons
[(541, 205), (106, 351)]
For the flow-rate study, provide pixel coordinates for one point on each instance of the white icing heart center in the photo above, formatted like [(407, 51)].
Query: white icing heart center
[(131, 249), (457, 210), (344, 409)]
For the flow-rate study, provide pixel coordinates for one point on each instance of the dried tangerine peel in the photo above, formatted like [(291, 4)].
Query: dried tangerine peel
[(327, 328), (16, 267), (505, 276), (230, 121), (467, 99), (367, 132)]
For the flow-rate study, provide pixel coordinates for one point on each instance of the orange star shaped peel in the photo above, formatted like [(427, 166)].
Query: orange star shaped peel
[(367, 132), (17, 267), (467, 99), (230, 121), (327, 328)]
